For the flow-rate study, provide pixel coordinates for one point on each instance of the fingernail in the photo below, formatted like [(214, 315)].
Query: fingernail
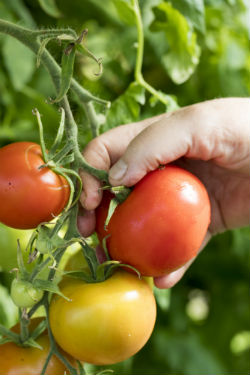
[(118, 171)]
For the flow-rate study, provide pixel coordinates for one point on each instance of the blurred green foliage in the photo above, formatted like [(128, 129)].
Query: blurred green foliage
[(194, 50)]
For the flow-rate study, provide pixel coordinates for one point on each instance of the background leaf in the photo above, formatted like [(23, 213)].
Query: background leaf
[(126, 108), (125, 11), (19, 62), (50, 7), (194, 12), (184, 52)]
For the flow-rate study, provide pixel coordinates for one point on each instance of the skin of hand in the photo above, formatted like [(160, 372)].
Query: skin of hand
[(210, 139)]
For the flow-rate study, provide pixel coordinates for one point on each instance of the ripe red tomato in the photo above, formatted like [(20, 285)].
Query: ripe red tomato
[(17, 360), (29, 195), (105, 322), (162, 223)]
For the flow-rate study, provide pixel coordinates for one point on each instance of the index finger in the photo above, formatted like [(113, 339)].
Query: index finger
[(102, 152)]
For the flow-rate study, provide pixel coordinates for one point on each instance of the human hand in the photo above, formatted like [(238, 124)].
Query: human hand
[(210, 139)]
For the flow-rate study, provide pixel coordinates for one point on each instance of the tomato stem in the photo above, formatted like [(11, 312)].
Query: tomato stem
[(24, 322)]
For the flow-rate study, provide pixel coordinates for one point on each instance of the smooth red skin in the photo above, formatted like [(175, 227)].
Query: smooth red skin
[(17, 360), (29, 195), (161, 225)]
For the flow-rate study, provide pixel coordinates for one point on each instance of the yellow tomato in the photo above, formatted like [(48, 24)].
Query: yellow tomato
[(106, 322)]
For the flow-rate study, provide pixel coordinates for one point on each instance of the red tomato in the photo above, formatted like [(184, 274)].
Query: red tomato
[(17, 360), (162, 223), (29, 195)]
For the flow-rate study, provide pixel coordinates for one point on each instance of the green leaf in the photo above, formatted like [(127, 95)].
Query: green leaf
[(22, 11), (103, 269), (49, 286), (32, 343), (193, 10), (112, 206), (172, 104), (39, 329), (125, 11), (68, 59), (184, 52), (50, 7), (5, 12), (19, 61), (82, 275), (90, 256), (126, 108)]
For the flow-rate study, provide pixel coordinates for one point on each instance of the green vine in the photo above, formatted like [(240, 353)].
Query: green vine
[(139, 58)]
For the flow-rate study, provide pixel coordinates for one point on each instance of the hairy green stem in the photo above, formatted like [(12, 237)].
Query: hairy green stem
[(55, 32), (93, 120), (24, 331), (29, 38), (41, 266), (73, 136)]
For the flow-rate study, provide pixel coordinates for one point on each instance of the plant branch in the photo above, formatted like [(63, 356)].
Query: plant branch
[(93, 120), (139, 57), (53, 347), (29, 38), (24, 322)]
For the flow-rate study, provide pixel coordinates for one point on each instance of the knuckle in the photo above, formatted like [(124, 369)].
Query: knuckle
[(97, 154)]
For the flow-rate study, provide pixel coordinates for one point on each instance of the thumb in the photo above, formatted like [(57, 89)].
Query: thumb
[(162, 142)]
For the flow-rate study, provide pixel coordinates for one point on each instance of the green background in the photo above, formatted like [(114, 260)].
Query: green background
[(203, 325)]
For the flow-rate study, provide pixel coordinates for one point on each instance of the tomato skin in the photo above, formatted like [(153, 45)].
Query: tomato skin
[(162, 223), (106, 322), (17, 360), (29, 195), (76, 262)]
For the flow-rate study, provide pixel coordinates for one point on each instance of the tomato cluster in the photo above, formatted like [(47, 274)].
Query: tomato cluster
[(157, 229)]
